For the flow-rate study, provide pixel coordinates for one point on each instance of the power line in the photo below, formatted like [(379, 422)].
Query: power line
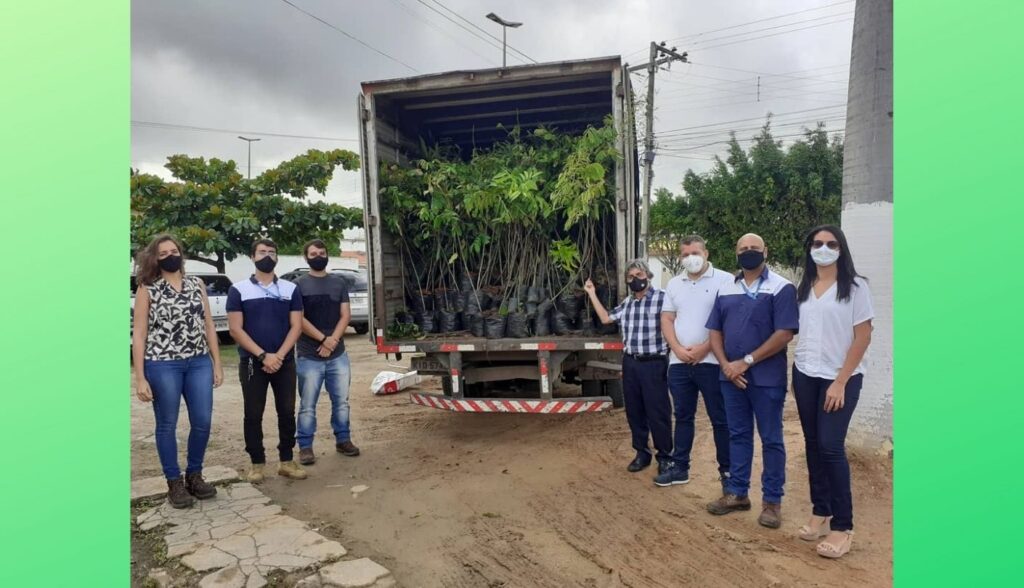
[(680, 139), (776, 34), (696, 44), (684, 149), (171, 126), (484, 31), (470, 31), (762, 20), (729, 122), (747, 81), (779, 75), (692, 35), (442, 31), (350, 36)]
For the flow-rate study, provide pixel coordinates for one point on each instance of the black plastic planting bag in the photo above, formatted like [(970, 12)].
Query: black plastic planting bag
[(561, 324), (494, 326), (425, 321), (584, 322), (569, 304), (518, 325), (448, 321), (542, 319), (533, 295), (475, 324)]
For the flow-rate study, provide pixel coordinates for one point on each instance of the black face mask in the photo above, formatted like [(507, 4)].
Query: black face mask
[(317, 264), (171, 263), (637, 285), (750, 259), (266, 264)]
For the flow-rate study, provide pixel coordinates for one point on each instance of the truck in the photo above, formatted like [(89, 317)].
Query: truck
[(397, 117)]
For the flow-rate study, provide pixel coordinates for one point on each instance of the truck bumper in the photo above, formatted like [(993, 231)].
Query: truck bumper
[(554, 406)]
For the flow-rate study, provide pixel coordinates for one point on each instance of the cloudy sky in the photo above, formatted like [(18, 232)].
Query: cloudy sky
[(205, 71)]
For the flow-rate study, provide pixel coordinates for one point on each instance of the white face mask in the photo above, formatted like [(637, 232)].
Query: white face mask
[(824, 256), (693, 263)]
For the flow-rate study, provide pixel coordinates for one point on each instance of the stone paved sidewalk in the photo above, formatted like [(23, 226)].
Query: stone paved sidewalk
[(239, 537)]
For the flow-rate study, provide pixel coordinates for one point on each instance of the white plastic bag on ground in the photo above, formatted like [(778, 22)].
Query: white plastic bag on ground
[(394, 382)]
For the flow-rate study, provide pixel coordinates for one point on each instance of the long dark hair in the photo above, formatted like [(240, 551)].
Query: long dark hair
[(845, 275), (147, 266)]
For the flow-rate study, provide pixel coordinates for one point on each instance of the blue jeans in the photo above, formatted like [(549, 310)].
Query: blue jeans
[(170, 381), (313, 375), (825, 437), (742, 408), (685, 381)]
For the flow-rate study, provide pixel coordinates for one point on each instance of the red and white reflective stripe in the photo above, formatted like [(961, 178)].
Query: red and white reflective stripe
[(448, 347), (543, 346), (455, 382), (545, 386), (604, 346), (510, 405)]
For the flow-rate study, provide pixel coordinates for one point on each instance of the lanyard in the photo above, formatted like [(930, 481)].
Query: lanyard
[(752, 294)]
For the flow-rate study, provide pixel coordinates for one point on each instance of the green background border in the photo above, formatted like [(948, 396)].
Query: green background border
[(959, 401), (64, 476), (65, 154)]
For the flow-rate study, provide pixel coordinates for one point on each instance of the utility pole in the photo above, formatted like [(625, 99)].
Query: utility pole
[(248, 174), (651, 66)]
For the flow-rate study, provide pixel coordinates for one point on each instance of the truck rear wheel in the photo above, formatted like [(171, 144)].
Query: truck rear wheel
[(613, 388), (446, 385), (592, 388)]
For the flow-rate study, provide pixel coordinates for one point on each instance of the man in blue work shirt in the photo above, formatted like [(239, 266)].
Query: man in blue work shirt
[(644, 364), (265, 318), (753, 319)]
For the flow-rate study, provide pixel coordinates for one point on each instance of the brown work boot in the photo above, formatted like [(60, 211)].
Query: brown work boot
[(347, 448), (198, 487), (177, 495), (290, 469), (728, 503), (771, 515), (306, 456), (255, 474)]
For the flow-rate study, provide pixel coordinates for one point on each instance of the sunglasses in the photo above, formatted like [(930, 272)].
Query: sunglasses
[(830, 244)]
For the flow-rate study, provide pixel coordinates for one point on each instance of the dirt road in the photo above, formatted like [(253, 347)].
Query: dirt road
[(538, 500)]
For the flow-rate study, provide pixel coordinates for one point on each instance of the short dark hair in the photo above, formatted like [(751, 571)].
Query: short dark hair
[(318, 243), (694, 238), (267, 242)]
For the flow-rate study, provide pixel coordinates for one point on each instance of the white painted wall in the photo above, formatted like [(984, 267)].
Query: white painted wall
[(868, 229)]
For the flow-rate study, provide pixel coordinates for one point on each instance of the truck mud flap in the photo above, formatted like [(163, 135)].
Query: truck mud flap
[(554, 406)]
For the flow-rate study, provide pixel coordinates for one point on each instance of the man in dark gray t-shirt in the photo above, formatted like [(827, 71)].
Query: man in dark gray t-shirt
[(321, 353)]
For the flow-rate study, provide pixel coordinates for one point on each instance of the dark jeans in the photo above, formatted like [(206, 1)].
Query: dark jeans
[(648, 408), (254, 394), (684, 382), (825, 437), (742, 408), (171, 380)]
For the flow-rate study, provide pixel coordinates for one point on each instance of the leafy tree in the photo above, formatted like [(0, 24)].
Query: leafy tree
[(218, 214), (774, 192), (669, 223)]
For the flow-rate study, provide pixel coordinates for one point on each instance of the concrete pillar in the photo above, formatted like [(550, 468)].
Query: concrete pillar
[(867, 205)]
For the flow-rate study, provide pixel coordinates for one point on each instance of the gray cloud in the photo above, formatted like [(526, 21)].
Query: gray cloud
[(260, 65)]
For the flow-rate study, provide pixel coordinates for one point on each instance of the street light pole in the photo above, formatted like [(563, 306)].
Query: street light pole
[(505, 24), (250, 142)]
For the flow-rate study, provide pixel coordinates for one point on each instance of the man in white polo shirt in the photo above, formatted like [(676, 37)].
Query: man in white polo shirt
[(689, 298)]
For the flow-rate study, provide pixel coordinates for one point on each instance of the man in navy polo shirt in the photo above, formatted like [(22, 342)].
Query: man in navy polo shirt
[(753, 319), (265, 318)]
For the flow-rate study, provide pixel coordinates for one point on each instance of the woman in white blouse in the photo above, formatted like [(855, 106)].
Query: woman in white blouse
[(835, 331)]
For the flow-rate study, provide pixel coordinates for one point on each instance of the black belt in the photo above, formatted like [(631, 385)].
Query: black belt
[(646, 356)]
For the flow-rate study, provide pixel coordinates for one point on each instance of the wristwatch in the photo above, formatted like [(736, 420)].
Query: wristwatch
[(261, 356), (748, 359)]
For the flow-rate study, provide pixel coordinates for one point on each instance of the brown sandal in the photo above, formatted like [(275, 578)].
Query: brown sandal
[(813, 532), (826, 549)]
